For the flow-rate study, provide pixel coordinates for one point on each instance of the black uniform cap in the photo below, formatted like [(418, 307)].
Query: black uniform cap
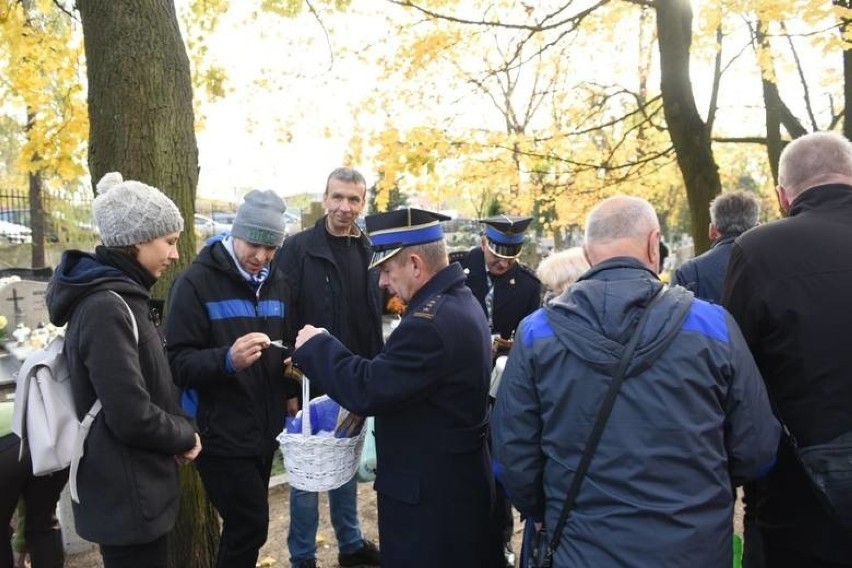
[(392, 231), (504, 234)]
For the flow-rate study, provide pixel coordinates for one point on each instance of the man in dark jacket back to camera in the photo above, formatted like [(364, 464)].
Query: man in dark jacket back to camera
[(223, 311), (789, 286), (326, 269), (691, 419), (731, 214)]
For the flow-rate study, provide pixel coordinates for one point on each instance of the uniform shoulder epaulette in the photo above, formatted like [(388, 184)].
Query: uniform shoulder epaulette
[(458, 256), (429, 308), (529, 271)]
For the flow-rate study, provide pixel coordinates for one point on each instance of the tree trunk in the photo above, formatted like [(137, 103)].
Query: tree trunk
[(142, 125), (140, 102), (689, 133), (36, 183), (847, 69), (37, 224)]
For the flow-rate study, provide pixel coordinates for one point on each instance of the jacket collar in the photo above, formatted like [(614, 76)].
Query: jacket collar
[(317, 243), (445, 279), (821, 196)]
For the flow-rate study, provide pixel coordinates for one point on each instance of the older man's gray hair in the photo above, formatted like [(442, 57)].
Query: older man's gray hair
[(620, 217), (734, 212), (812, 156)]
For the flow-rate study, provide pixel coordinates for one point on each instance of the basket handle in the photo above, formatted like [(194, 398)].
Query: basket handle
[(306, 407)]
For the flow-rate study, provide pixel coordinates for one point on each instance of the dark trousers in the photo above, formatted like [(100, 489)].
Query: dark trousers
[(777, 555), (239, 489), (503, 513), (148, 555), (752, 539), (40, 495)]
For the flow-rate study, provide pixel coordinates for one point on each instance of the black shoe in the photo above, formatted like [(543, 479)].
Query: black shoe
[(312, 563), (366, 556)]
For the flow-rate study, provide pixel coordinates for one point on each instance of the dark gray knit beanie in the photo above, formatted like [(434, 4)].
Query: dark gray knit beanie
[(260, 219), (130, 212)]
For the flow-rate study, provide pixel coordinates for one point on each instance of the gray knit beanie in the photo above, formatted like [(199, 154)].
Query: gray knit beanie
[(260, 219), (130, 212)]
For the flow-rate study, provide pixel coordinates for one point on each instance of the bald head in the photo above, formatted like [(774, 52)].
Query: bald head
[(623, 226)]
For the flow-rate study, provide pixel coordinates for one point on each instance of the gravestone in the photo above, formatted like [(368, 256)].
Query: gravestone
[(22, 302)]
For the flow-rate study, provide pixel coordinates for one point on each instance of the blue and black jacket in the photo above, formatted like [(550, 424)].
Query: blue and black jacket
[(691, 420), (211, 305)]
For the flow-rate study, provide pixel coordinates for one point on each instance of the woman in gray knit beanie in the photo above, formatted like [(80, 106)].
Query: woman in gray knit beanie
[(130, 214), (128, 478)]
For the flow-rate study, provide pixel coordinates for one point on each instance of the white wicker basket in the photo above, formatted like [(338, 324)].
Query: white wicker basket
[(319, 463)]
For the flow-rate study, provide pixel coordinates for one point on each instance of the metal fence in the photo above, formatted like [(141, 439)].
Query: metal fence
[(66, 221)]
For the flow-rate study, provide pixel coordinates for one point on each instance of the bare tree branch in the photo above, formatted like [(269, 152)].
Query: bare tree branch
[(573, 20), (805, 90), (717, 78), (324, 31), (65, 10)]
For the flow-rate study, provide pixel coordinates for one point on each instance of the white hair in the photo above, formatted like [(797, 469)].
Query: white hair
[(561, 269)]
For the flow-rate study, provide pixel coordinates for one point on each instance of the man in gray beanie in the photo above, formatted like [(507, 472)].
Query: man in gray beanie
[(225, 308), (260, 219)]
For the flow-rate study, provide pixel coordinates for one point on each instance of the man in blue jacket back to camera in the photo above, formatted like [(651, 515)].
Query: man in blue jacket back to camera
[(691, 420)]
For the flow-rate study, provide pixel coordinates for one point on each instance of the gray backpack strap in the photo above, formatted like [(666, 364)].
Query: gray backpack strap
[(79, 447), (129, 311), (89, 418)]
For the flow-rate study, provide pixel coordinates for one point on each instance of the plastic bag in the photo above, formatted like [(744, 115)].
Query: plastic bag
[(367, 467), (324, 415)]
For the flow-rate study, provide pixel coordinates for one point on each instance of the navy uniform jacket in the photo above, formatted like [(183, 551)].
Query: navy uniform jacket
[(516, 293), (428, 390)]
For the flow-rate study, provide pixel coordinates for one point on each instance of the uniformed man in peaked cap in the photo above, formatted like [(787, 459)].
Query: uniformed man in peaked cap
[(508, 291), (428, 391)]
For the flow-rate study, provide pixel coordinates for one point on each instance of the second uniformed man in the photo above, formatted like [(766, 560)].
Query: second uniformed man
[(508, 291)]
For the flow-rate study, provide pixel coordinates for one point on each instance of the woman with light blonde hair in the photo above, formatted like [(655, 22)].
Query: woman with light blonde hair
[(560, 270)]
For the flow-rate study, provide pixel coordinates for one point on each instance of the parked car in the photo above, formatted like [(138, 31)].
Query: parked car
[(14, 233), (224, 219), (59, 225), (292, 222), (205, 227)]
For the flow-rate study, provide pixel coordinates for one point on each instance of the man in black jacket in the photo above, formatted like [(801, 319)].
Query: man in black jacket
[(326, 269), (788, 286), (731, 214)]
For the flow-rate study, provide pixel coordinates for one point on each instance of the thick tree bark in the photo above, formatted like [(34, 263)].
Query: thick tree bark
[(140, 101), (689, 133), (142, 125)]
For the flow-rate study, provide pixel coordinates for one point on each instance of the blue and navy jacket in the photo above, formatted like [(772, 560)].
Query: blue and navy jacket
[(211, 305), (691, 420), (705, 274)]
